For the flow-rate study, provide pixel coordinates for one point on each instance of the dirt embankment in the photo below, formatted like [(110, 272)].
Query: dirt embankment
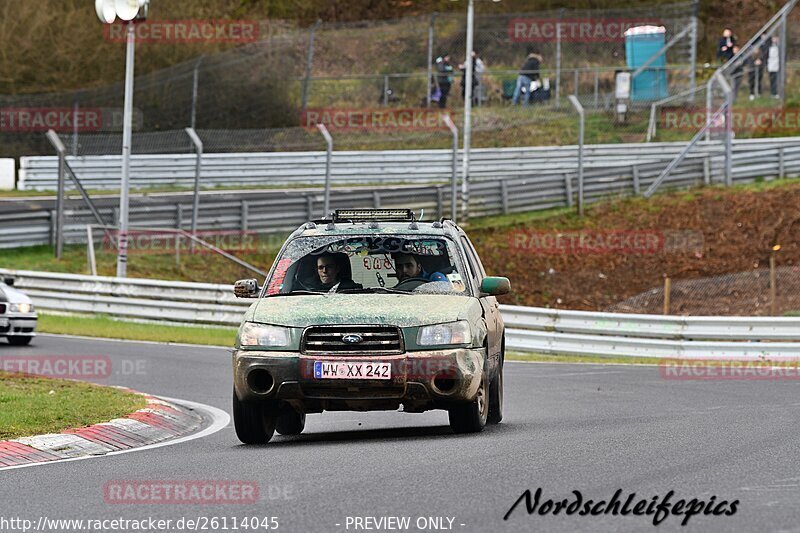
[(624, 248)]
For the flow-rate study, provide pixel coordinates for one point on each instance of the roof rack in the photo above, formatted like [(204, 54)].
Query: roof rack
[(373, 215)]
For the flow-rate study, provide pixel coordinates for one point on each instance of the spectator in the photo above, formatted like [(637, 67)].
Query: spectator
[(527, 75), (444, 78), (726, 44), (478, 68), (774, 66), (755, 65)]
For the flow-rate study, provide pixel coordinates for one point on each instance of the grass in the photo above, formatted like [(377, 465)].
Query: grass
[(35, 405), (106, 327)]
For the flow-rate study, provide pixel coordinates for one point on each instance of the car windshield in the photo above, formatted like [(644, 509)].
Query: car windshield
[(368, 264)]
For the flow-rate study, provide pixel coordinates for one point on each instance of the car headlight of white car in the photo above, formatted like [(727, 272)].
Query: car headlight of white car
[(254, 334), (20, 308), (445, 334)]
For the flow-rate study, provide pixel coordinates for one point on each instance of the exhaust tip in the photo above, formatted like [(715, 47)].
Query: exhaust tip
[(444, 383), (260, 381)]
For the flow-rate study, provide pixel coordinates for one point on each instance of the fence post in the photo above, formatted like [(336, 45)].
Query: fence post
[(386, 90), (75, 109), (195, 76), (310, 207), (376, 199), (179, 215), (439, 202), (328, 156), (568, 185), (53, 227), (596, 88), (55, 140), (582, 119), (90, 250), (577, 81), (667, 294), (782, 68), (558, 58), (504, 196), (693, 49), (430, 59), (309, 62), (636, 183), (773, 283), (244, 215), (198, 148), (454, 176), (707, 170)]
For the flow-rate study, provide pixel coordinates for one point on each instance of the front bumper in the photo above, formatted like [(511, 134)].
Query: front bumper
[(441, 376), (22, 325)]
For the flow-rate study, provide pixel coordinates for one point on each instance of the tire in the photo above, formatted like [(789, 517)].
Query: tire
[(496, 397), (290, 422), (471, 417), (19, 340), (254, 422)]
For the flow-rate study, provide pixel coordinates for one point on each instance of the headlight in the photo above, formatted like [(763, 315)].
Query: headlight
[(20, 308), (445, 334), (253, 334)]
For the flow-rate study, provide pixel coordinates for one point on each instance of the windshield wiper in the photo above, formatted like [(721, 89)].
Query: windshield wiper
[(368, 290)]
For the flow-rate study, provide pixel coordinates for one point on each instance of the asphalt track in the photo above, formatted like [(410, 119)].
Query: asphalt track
[(590, 428)]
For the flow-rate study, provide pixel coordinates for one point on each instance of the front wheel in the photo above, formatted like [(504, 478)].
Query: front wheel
[(254, 422), (19, 340), (471, 417)]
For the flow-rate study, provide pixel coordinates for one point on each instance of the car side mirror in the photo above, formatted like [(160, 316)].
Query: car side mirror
[(495, 285), (9, 281), (246, 288)]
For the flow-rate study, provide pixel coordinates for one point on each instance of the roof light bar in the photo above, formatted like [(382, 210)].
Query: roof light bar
[(362, 215)]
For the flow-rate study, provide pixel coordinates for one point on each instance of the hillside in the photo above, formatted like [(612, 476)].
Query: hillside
[(58, 45)]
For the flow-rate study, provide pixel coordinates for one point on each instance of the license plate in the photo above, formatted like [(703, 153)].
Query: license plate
[(352, 370)]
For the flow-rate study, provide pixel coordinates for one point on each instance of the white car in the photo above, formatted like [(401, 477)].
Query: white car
[(17, 316)]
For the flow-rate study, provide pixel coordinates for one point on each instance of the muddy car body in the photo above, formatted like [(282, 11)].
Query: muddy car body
[(370, 339)]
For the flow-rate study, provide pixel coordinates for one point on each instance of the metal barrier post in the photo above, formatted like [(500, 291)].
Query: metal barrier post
[(55, 140), (195, 77), (454, 177), (582, 120), (198, 148), (729, 98), (329, 155), (90, 250)]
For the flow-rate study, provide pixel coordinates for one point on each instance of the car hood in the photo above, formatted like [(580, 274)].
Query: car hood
[(389, 309), (11, 295)]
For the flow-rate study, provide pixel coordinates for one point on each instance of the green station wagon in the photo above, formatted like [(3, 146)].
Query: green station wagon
[(370, 310)]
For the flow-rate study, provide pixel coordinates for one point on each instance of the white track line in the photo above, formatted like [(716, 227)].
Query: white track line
[(220, 419)]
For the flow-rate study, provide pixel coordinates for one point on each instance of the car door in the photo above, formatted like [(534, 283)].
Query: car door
[(491, 309)]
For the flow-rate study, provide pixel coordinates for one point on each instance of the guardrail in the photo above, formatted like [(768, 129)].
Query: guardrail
[(280, 212), (350, 167), (528, 329)]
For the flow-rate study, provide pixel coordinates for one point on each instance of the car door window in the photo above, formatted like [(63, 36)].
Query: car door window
[(481, 273), (470, 261)]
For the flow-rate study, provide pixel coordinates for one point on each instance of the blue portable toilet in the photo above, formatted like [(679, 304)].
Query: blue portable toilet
[(642, 43)]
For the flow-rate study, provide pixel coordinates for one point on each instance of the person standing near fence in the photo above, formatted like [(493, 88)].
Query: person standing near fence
[(478, 68), (726, 44), (774, 66), (755, 64), (527, 75), (445, 78)]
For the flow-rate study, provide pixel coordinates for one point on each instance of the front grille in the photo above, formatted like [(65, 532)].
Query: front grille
[(327, 340)]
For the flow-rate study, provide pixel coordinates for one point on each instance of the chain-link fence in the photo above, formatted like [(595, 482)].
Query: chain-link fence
[(754, 293)]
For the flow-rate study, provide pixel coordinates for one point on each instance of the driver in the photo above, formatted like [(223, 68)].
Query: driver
[(329, 272), (408, 266)]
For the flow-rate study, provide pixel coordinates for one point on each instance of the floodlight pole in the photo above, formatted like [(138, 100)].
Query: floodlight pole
[(467, 109), (127, 125)]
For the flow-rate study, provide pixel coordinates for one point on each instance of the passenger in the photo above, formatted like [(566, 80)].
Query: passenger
[(408, 266)]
